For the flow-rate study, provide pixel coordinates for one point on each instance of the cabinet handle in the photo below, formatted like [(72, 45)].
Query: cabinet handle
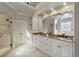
[(59, 46)]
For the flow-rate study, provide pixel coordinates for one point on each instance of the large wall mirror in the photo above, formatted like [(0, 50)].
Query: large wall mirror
[(63, 24)]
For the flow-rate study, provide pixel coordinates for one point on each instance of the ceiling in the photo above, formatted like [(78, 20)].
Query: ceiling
[(21, 10), (33, 4)]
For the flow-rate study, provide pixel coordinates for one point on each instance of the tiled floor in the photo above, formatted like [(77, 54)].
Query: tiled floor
[(27, 50)]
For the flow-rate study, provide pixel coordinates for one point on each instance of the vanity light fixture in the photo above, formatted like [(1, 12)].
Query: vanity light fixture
[(9, 21), (64, 3), (28, 2), (52, 9), (70, 15)]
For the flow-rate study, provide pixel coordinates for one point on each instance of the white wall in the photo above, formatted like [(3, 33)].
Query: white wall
[(5, 31)]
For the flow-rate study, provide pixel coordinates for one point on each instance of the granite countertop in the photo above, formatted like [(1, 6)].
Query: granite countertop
[(67, 39), (60, 38)]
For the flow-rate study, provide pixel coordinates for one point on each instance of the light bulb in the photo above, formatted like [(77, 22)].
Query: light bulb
[(64, 3)]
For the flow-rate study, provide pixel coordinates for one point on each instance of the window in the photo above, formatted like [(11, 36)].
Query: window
[(66, 22)]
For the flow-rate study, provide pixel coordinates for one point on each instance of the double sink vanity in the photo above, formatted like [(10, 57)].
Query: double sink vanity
[(54, 33), (54, 45)]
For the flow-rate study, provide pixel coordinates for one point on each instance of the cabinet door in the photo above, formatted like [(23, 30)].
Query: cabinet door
[(59, 50), (43, 43), (56, 49), (46, 45), (35, 40), (39, 42), (49, 46), (66, 51)]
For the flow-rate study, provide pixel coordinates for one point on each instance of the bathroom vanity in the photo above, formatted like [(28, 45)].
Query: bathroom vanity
[(54, 33), (54, 46)]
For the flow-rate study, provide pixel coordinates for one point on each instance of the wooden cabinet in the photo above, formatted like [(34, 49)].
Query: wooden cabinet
[(67, 50), (59, 50), (53, 47), (34, 40), (62, 49)]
